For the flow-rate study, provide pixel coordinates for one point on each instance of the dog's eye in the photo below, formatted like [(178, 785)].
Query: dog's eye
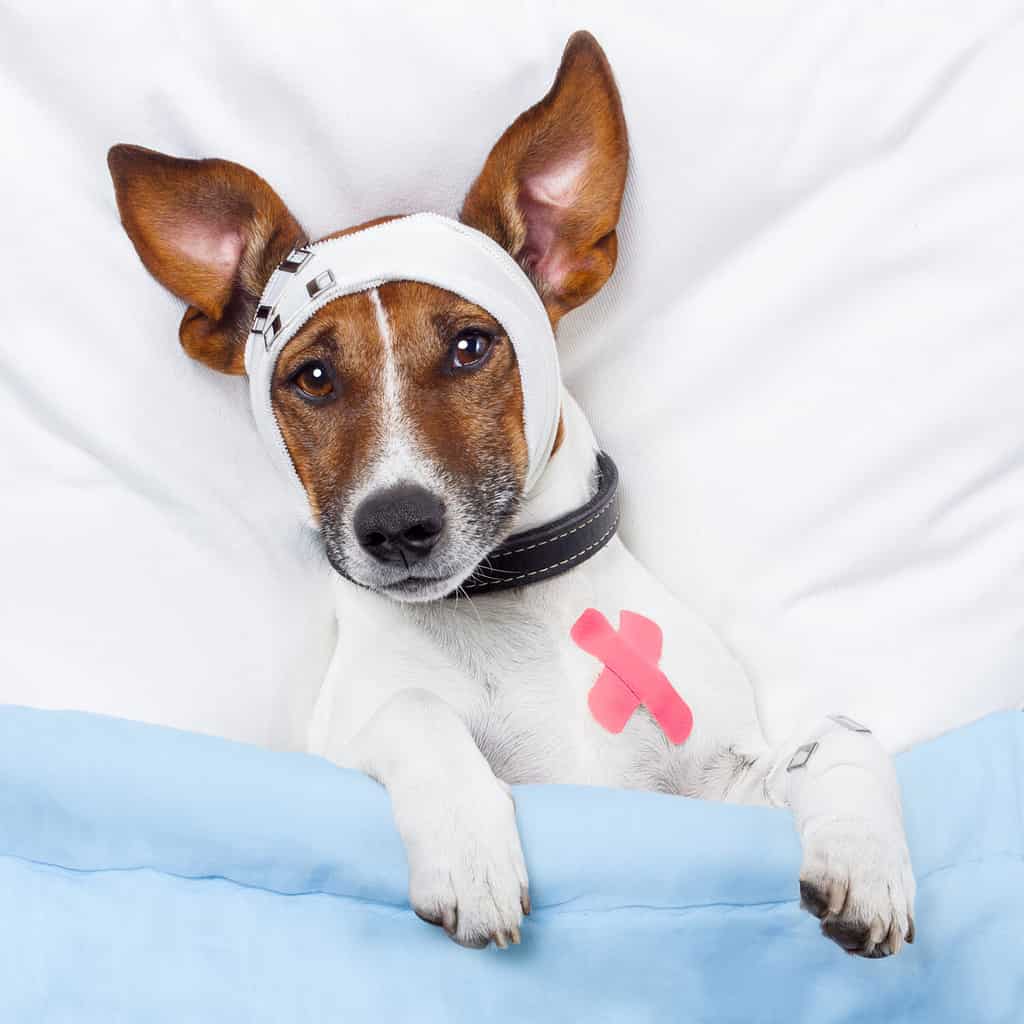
[(470, 349), (314, 381)]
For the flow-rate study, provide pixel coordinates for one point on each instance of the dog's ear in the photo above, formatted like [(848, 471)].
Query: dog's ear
[(212, 233), (552, 186)]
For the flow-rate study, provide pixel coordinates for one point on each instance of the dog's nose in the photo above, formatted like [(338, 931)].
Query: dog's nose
[(399, 524)]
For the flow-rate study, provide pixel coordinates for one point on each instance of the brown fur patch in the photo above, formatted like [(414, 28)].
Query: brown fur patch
[(331, 444), (465, 420)]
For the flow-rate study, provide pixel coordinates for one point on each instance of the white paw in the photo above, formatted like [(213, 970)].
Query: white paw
[(858, 881), (466, 868)]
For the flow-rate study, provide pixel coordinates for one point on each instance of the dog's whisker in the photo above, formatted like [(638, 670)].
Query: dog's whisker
[(476, 611), (496, 573)]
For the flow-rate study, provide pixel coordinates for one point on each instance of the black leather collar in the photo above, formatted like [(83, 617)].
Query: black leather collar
[(556, 547)]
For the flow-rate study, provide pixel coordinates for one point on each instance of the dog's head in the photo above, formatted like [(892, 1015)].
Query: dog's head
[(401, 407)]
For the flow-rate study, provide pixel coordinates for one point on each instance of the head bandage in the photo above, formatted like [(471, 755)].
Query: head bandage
[(430, 249)]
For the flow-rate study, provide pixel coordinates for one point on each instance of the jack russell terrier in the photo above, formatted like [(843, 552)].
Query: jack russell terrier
[(404, 373)]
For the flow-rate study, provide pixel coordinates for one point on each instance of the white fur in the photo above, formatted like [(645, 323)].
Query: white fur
[(445, 702)]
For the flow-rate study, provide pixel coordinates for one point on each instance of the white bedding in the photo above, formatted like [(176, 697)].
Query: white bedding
[(809, 365)]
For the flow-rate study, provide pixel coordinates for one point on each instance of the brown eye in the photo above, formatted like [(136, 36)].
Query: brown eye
[(314, 381), (470, 349)]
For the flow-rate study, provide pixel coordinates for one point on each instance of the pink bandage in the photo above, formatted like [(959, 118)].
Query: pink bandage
[(631, 676)]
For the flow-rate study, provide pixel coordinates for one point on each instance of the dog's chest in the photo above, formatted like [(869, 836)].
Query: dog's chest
[(527, 700), (528, 718), (508, 667)]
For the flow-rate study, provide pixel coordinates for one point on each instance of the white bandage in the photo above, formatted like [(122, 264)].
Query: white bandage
[(861, 781), (430, 249)]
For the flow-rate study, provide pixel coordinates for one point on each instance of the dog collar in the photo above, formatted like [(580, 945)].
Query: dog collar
[(556, 547), (430, 249)]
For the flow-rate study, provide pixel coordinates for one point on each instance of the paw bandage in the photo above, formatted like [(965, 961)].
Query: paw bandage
[(429, 249), (631, 676), (836, 771)]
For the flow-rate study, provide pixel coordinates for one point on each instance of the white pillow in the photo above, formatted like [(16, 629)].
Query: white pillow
[(809, 365)]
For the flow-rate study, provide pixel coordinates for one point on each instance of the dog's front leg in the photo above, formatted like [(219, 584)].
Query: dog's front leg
[(856, 875), (456, 819)]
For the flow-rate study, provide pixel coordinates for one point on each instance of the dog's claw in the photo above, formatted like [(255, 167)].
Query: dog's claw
[(894, 939), (524, 899), (450, 920), (516, 937), (500, 941)]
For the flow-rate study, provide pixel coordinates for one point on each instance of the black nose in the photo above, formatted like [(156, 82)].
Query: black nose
[(399, 524)]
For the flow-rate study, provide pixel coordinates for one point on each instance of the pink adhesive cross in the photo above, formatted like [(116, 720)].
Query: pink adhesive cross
[(631, 676)]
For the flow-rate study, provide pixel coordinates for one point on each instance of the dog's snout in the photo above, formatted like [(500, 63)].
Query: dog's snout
[(400, 524)]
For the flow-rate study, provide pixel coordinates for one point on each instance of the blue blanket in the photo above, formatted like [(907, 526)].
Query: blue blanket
[(159, 876)]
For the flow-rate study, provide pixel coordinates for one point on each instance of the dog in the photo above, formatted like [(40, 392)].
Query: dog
[(402, 411)]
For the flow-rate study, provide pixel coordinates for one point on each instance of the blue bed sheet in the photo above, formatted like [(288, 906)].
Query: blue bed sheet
[(153, 875)]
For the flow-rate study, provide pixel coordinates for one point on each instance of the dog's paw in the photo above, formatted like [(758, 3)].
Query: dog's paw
[(859, 883), (466, 868)]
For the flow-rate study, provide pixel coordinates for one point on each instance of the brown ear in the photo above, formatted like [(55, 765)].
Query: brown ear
[(552, 186), (212, 233)]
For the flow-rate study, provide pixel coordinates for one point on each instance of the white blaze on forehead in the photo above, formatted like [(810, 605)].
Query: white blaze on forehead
[(400, 460), (391, 391)]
